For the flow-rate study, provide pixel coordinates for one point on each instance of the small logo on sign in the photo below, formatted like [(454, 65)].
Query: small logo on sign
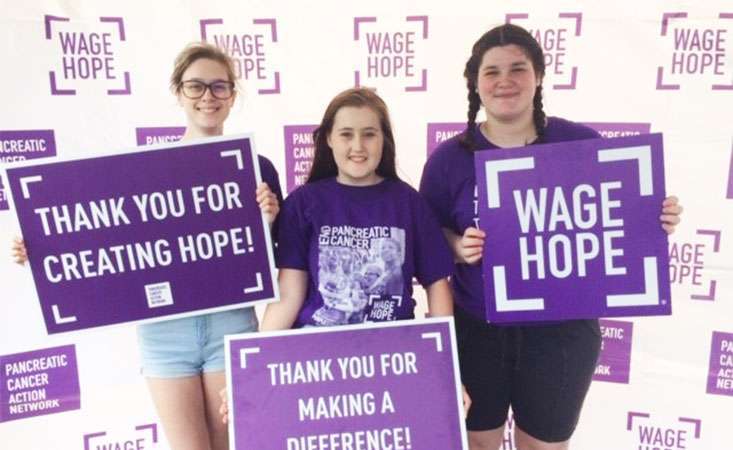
[(158, 294)]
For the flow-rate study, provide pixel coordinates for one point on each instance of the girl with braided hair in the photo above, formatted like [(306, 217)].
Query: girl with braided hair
[(541, 370)]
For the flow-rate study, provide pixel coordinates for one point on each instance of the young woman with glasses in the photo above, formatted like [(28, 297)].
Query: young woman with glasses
[(183, 359)]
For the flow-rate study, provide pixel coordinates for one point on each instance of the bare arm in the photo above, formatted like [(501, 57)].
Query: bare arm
[(281, 315), (440, 299)]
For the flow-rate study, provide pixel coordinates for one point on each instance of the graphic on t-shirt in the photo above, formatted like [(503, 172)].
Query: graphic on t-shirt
[(359, 274)]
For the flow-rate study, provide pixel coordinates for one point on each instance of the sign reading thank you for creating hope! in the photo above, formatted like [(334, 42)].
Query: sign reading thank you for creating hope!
[(168, 231)]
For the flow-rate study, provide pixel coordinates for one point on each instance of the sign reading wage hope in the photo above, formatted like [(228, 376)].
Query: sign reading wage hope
[(169, 231), (367, 387), (573, 231)]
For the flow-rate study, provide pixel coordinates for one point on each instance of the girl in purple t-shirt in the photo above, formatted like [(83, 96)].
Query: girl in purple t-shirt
[(542, 371), (353, 237)]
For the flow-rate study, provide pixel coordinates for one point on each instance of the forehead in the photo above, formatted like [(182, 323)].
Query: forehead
[(206, 69), (356, 117), (504, 55)]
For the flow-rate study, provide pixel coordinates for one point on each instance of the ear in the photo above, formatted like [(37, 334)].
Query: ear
[(328, 140), (538, 82)]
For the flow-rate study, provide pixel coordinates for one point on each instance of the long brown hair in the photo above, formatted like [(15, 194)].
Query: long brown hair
[(324, 165)]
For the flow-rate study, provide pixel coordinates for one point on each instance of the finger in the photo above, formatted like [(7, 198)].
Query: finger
[(668, 228), (674, 209), (472, 242), (671, 200), (670, 219), (474, 232)]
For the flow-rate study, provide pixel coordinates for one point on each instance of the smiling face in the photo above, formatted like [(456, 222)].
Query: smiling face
[(506, 84), (206, 115), (356, 140)]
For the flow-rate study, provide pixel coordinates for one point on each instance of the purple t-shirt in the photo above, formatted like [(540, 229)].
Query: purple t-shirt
[(361, 246), (449, 185)]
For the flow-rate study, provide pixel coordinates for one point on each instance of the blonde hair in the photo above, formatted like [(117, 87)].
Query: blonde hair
[(194, 52)]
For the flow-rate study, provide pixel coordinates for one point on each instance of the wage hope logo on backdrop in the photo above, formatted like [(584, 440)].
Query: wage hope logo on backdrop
[(391, 50), (20, 145), (657, 432), (687, 263), (252, 48), (138, 437), (700, 51), (86, 55), (557, 36)]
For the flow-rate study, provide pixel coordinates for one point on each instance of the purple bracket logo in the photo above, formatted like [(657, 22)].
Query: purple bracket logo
[(143, 434), (554, 45), (248, 50), (698, 51), (687, 263), (720, 375), (391, 54), (87, 55), (651, 434)]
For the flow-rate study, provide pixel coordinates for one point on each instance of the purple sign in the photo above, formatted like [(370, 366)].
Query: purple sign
[(158, 135), (440, 132), (366, 386), (720, 376), (389, 52), (614, 361), (299, 152), (168, 231), (573, 230), (39, 382), (21, 145)]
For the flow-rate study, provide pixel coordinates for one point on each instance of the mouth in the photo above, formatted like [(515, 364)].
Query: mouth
[(207, 109), (357, 158)]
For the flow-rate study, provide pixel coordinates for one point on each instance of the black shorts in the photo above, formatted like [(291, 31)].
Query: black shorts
[(542, 371)]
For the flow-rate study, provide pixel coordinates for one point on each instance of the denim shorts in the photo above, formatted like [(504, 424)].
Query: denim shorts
[(191, 345)]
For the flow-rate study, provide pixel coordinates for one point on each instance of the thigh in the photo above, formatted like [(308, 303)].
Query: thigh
[(213, 383), (554, 371), (484, 372), (180, 406)]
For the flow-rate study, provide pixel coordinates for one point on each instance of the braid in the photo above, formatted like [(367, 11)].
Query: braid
[(538, 115), (474, 104)]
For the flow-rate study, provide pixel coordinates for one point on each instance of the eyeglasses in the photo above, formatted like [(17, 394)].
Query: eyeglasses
[(195, 89)]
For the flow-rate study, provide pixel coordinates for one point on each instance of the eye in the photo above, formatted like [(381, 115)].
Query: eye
[(221, 88)]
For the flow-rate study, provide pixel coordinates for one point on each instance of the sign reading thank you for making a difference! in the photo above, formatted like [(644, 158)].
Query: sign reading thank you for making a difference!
[(573, 231), (377, 386), (168, 231)]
